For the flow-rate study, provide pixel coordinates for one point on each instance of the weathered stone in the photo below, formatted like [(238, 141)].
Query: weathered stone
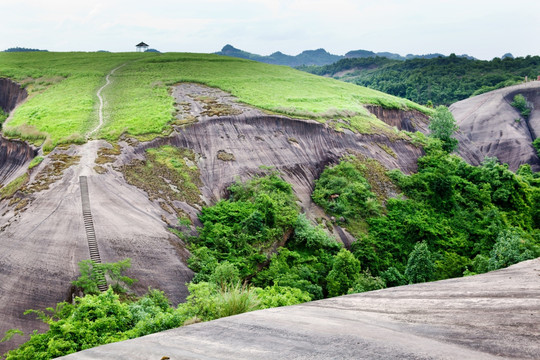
[(497, 129), (11, 94), (489, 316)]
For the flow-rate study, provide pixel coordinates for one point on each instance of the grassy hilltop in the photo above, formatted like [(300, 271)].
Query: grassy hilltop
[(63, 105)]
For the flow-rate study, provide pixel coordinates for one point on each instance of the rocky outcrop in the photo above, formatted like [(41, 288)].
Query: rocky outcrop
[(409, 120), (299, 149), (488, 316), (413, 120), (13, 156), (497, 129), (11, 94)]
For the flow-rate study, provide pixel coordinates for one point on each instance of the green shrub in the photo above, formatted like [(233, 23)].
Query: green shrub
[(420, 266), (275, 296), (392, 277), (225, 275), (342, 190), (344, 274), (509, 249), (93, 273), (366, 282), (236, 299), (520, 103)]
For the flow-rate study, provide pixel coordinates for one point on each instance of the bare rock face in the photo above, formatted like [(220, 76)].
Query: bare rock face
[(488, 316), (410, 120), (11, 94), (299, 149), (497, 129), (14, 156), (413, 120)]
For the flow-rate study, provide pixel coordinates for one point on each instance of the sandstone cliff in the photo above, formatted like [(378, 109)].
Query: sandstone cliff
[(11, 94), (497, 129)]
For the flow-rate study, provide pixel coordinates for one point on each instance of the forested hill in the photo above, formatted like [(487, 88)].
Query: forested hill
[(319, 57), (441, 80)]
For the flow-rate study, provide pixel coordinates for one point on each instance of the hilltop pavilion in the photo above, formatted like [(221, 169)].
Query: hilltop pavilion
[(141, 47)]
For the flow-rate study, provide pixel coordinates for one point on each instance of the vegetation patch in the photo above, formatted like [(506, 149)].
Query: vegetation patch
[(52, 172), (10, 189), (458, 212), (344, 193), (3, 117), (100, 169), (62, 106), (35, 162), (169, 174), (225, 156), (212, 107), (141, 105), (107, 155), (536, 145), (376, 175), (387, 150), (292, 140), (62, 103), (520, 103)]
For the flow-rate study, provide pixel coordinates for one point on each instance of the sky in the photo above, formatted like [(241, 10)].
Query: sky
[(481, 28)]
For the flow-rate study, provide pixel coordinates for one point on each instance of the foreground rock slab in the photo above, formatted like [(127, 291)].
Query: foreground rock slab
[(494, 315)]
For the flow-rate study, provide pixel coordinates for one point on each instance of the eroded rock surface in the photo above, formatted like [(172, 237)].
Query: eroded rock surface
[(11, 94), (410, 120), (497, 129), (41, 246), (14, 157), (489, 316)]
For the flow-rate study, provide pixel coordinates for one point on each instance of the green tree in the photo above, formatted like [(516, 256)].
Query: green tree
[(420, 266), (344, 274), (509, 249), (93, 273), (443, 125), (225, 274)]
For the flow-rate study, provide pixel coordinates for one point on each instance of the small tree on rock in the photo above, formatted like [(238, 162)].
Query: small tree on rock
[(443, 125)]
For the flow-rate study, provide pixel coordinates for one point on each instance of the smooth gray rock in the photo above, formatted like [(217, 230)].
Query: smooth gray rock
[(497, 128), (489, 316)]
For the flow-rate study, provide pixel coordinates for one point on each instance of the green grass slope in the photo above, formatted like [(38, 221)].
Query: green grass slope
[(63, 105)]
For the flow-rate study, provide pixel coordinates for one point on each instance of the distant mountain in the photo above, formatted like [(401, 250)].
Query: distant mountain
[(394, 56), (319, 57)]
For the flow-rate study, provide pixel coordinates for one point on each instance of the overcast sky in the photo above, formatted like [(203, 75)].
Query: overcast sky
[(481, 28)]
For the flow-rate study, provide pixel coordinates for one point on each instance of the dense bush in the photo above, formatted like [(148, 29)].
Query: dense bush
[(458, 210), (520, 103)]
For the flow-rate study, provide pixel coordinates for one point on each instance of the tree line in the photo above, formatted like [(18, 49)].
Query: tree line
[(439, 81)]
